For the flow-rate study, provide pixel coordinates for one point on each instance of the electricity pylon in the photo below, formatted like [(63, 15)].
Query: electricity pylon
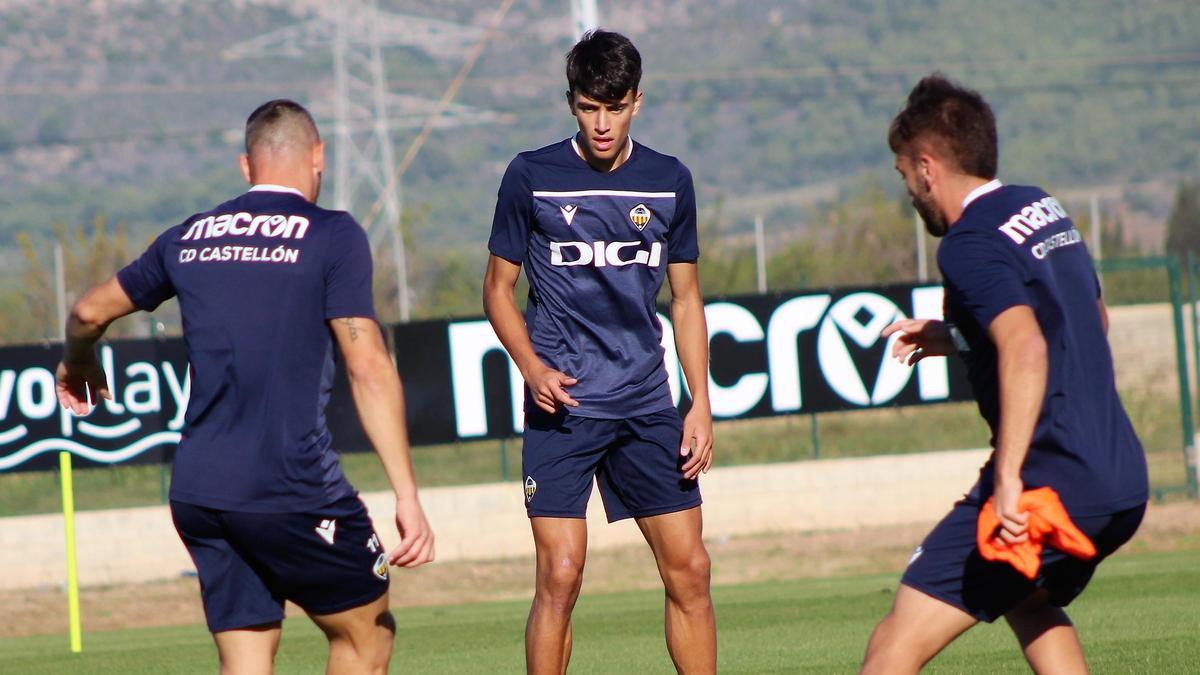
[(364, 111)]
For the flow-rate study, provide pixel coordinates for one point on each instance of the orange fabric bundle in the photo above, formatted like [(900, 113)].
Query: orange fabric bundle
[(1048, 524)]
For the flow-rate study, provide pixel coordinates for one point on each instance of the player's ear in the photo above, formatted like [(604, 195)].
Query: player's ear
[(637, 103), (318, 157), (244, 163), (571, 101), (926, 167)]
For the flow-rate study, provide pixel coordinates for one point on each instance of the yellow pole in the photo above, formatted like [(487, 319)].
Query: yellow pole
[(68, 501)]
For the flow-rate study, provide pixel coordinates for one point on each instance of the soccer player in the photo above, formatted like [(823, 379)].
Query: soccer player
[(598, 221), (267, 283), (1023, 310)]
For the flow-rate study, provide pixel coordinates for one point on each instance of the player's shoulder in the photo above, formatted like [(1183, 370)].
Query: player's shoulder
[(526, 166), (661, 161), (547, 155)]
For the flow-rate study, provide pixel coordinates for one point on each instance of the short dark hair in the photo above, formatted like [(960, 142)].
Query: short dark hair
[(952, 120), (604, 66), (280, 124)]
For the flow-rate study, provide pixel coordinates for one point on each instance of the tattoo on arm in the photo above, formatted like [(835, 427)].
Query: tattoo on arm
[(349, 324)]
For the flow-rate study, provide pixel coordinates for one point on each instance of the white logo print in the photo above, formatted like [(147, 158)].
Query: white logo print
[(860, 317), (601, 253), (916, 554), (326, 530), (530, 488), (568, 212)]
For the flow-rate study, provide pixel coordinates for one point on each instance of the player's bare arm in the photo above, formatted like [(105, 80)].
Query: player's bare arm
[(379, 399), (80, 370), (691, 342), (919, 338), (547, 386), (1022, 365)]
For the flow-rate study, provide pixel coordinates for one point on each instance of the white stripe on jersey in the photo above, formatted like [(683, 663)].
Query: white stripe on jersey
[(605, 193)]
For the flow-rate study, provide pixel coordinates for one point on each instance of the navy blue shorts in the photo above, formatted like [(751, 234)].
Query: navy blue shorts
[(947, 565), (635, 461), (326, 561)]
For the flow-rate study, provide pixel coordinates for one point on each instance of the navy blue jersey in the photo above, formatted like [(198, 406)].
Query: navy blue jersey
[(595, 247), (1014, 246), (258, 278)]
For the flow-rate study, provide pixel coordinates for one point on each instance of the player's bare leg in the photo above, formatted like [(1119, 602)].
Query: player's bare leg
[(918, 627), (561, 545), (360, 639), (1047, 637), (685, 568), (248, 651)]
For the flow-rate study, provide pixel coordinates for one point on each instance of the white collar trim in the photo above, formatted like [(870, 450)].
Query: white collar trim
[(982, 190), (628, 148), (267, 187)]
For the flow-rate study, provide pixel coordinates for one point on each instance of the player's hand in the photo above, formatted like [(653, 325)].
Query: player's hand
[(1014, 524), (73, 380), (416, 537), (697, 443), (548, 388), (919, 338)]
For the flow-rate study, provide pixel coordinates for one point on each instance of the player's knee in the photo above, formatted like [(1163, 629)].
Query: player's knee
[(688, 580), (560, 580), (367, 652)]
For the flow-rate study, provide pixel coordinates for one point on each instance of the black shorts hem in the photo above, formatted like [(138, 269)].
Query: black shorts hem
[(539, 513), (657, 511), (240, 625), (979, 615), (361, 600)]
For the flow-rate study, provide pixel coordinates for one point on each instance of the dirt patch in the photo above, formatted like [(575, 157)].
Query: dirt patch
[(735, 560)]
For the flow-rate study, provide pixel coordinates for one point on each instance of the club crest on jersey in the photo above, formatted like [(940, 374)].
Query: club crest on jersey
[(640, 215), (530, 488), (568, 212), (380, 568)]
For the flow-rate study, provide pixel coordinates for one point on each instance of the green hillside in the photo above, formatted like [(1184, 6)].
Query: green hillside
[(133, 112)]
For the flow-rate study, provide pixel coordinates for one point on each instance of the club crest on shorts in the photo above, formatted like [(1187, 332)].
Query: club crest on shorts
[(380, 568), (326, 530), (640, 215), (530, 488)]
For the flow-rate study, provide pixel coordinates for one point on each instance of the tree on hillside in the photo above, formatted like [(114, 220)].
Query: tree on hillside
[(864, 237), (1183, 226), (89, 257)]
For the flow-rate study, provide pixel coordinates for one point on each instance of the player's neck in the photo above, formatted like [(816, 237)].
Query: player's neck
[(302, 183), (958, 186), (598, 163)]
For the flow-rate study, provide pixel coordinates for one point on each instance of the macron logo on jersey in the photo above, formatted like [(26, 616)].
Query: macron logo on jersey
[(1032, 218), (243, 224), (604, 254), (568, 212)]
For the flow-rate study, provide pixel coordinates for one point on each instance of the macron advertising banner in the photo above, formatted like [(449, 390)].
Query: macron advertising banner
[(785, 353)]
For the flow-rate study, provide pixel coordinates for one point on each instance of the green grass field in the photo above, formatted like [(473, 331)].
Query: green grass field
[(1139, 616)]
